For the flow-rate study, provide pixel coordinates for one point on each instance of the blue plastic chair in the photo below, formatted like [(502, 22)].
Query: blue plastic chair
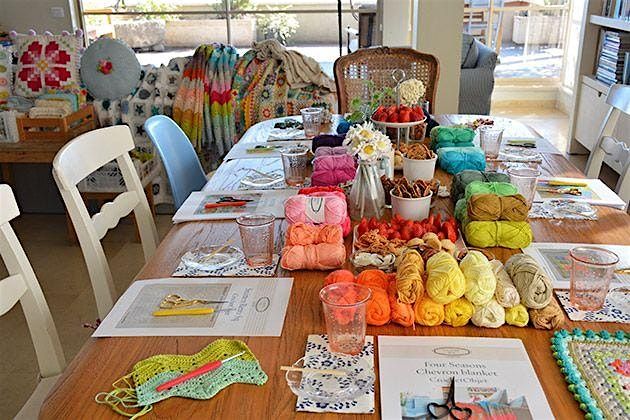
[(180, 160)]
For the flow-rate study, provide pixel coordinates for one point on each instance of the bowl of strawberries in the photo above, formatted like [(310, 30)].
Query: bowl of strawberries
[(398, 116)]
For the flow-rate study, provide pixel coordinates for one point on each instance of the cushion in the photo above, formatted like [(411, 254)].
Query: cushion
[(473, 54), (46, 61), (110, 69), (467, 41), (5, 74)]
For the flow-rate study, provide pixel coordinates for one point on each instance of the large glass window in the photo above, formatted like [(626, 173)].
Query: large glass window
[(529, 36)]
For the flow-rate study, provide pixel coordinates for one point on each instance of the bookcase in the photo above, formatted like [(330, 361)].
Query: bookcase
[(590, 106)]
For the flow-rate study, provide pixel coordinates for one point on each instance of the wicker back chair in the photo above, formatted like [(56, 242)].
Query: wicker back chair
[(352, 71)]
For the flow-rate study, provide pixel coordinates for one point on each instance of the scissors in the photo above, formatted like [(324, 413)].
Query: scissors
[(228, 202), (449, 408)]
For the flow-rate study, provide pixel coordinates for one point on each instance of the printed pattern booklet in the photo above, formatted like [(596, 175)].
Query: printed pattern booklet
[(493, 377), (595, 192)]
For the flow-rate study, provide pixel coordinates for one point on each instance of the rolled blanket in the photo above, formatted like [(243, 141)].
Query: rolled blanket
[(517, 316), (307, 234), (506, 294), (409, 277), (548, 318), (317, 208), (512, 235), (313, 257), (427, 312), (462, 179), (456, 159), (401, 313), (378, 311), (451, 137), (490, 315), (491, 207), (458, 312), (532, 283), (480, 280), (374, 279), (445, 281), (498, 188), (339, 276)]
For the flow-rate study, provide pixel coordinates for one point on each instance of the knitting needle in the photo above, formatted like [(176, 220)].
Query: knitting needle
[(208, 367), (311, 370)]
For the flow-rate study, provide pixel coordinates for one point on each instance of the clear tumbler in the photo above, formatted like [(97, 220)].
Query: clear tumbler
[(311, 119), (257, 236), (295, 164), (592, 270), (525, 180), (490, 140)]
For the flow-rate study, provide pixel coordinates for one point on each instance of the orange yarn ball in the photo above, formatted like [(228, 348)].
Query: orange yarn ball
[(374, 279), (428, 312), (339, 276), (401, 313), (378, 311)]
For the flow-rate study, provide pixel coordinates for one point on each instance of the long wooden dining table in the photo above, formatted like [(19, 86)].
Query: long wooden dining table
[(102, 361)]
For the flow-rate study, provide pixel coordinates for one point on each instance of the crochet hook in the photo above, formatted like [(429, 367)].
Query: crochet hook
[(225, 204), (208, 367), (188, 311)]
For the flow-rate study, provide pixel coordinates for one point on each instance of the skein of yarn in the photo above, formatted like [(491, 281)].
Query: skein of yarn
[(378, 311), (462, 179), (313, 257), (427, 312), (409, 277), (480, 280), (307, 234), (517, 315), (548, 318), (445, 281), (490, 207), (497, 188), (401, 313), (490, 315), (458, 312), (511, 235), (533, 285), (457, 159), (317, 208), (506, 294), (374, 279), (339, 276)]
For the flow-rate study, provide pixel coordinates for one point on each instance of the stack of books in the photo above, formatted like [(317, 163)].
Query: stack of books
[(613, 65), (616, 9)]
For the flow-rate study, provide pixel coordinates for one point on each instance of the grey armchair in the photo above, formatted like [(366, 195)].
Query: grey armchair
[(476, 81)]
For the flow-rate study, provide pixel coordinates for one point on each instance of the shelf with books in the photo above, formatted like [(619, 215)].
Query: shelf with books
[(612, 23)]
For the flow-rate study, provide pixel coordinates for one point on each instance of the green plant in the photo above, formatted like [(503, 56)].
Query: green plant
[(235, 6), (361, 109), (155, 6), (280, 26)]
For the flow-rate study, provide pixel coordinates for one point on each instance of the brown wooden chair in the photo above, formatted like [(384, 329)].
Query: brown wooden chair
[(353, 71)]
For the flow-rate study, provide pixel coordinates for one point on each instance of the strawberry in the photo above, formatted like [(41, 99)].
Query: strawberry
[(373, 223), (404, 116), (417, 230), (438, 220), (396, 235), (414, 116), (441, 235), (363, 226), (391, 109), (393, 117), (379, 116), (381, 108), (406, 233), (451, 232)]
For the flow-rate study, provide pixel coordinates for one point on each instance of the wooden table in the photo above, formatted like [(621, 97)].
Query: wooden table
[(102, 361)]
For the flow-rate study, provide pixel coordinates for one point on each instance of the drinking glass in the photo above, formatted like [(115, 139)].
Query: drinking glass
[(592, 270), (525, 180), (344, 311), (311, 121), (257, 236), (295, 164), (490, 140)]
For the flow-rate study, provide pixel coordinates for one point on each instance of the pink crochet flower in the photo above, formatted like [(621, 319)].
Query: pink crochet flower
[(44, 66)]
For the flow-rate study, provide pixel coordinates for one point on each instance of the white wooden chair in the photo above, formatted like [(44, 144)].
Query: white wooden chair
[(22, 286), (76, 160), (607, 146)]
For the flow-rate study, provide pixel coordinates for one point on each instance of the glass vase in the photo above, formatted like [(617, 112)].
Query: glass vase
[(367, 197)]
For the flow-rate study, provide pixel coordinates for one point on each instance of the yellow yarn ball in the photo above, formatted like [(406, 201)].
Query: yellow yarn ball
[(517, 315), (490, 315), (480, 280), (427, 312), (409, 277), (445, 281), (458, 312), (506, 294)]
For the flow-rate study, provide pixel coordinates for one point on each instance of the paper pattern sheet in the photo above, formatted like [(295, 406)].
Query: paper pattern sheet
[(491, 374), (555, 260), (596, 192), (261, 201), (245, 150), (254, 307)]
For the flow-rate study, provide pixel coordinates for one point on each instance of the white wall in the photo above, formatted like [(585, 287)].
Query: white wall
[(439, 32), (22, 15)]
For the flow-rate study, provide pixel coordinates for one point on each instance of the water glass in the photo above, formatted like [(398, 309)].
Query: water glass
[(344, 306), (311, 119), (592, 270), (257, 237), (525, 180), (295, 164), (490, 140)]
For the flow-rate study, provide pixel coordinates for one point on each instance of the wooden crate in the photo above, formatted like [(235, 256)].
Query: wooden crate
[(57, 129)]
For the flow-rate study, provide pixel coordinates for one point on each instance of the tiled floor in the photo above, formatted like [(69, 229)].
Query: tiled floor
[(62, 273)]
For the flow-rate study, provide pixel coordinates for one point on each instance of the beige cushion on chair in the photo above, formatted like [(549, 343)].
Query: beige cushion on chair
[(30, 410)]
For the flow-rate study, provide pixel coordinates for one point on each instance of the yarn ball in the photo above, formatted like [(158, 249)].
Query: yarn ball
[(301, 207), (409, 277), (451, 137), (498, 188), (428, 312), (480, 280), (374, 279), (327, 140), (517, 316), (401, 313), (490, 315), (533, 285), (461, 209), (457, 159), (122, 76), (313, 257), (332, 169), (307, 234), (339, 276), (462, 179), (378, 311), (506, 294), (548, 318), (513, 235), (445, 281), (458, 312), (488, 207)]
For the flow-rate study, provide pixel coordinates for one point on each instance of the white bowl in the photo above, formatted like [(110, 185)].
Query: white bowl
[(398, 125), (411, 208), (414, 169)]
